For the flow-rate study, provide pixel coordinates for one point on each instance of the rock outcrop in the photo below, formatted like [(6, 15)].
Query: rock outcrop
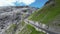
[(13, 15)]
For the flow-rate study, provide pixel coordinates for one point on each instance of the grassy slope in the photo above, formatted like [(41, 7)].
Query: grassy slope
[(47, 13), (27, 30), (30, 30), (14, 26), (10, 30)]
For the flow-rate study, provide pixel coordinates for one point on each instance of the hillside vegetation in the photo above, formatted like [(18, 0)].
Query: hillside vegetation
[(47, 14), (17, 29), (30, 30)]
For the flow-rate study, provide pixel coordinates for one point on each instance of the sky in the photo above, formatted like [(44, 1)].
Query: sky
[(32, 3)]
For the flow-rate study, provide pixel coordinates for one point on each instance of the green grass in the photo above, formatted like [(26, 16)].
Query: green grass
[(22, 23), (10, 30), (30, 30), (58, 24), (26, 30), (47, 13), (13, 26)]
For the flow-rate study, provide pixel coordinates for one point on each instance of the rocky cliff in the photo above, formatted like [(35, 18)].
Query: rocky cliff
[(13, 15)]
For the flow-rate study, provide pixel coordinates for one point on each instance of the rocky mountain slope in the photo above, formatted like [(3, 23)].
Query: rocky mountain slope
[(12, 20), (12, 15)]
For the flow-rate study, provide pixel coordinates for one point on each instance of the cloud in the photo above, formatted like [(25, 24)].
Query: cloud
[(11, 2), (6, 2), (26, 2)]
